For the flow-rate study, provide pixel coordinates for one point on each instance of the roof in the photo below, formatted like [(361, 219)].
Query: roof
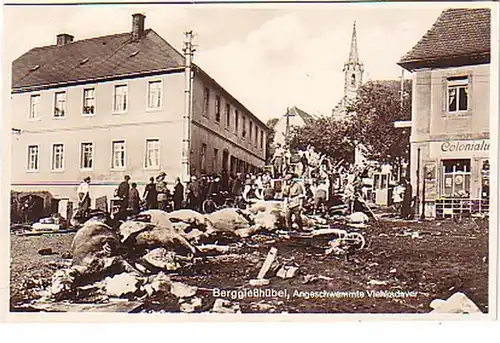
[(459, 36), (95, 59), (306, 117)]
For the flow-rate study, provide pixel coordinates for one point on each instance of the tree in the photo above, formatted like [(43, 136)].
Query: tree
[(271, 123), (327, 135), (373, 113)]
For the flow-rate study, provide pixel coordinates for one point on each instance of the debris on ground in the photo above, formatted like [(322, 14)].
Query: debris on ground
[(190, 305), (273, 252), (161, 258), (46, 251), (225, 306), (122, 285), (287, 272), (377, 283), (181, 290), (457, 303)]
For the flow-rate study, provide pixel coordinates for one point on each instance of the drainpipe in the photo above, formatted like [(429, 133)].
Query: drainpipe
[(188, 108), (417, 204)]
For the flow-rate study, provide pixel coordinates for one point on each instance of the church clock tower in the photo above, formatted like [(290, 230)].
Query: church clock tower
[(353, 69)]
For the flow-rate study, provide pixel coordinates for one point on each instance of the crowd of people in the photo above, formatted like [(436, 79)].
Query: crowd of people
[(309, 182)]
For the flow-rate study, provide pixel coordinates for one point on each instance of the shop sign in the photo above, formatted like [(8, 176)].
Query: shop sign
[(476, 145), (460, 148)]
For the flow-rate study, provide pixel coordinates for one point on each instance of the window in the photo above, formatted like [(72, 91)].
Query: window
[(57, 157), (236, 121), (120, 98), (244, 126), (353, 80), (34, 102), (256, 136), (88, 101), (86, 154), (152, 153), (458, 94), (154, 94), (456, 178), (206, 101), (33, 157), (118, 155), (216, 160), (60, 104), (228, 115), (217, 109), (262, 139), (203, 156), (250, 130)]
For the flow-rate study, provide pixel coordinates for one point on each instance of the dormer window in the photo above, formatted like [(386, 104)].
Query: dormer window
[(85, 60), (134, 53), (35, 67)]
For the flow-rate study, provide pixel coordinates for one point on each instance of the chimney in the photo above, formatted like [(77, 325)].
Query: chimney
[(64, 38), (137, 25)]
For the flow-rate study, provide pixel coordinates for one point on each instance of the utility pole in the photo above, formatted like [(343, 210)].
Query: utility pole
[(188, 96), (417, 202), (287, 128)]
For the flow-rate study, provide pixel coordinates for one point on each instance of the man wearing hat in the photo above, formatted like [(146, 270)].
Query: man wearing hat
[(162, 191), (123, 191), (293, 194), (83, 194)]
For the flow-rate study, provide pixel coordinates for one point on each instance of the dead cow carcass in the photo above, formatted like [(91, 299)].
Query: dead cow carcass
[(147, 235), (234, 221)]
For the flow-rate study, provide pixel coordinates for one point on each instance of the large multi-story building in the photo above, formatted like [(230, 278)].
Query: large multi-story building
[(450, 112), (123, 104)]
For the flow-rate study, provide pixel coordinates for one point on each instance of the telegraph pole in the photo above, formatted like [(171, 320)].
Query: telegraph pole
[(188, 96), (287, 128)]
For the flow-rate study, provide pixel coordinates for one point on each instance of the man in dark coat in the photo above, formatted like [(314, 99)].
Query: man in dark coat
[(134, 199), (193, 194), (178, 196), (150, 194), (123, 190), (407, 199)]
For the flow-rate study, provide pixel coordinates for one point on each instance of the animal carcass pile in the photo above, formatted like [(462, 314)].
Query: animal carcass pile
[(132, 259)]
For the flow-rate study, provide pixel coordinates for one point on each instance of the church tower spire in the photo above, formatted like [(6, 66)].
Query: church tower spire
[(353, 69), (353, 54)]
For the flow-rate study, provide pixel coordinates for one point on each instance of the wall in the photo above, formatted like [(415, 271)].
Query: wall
[(432, 125), (134, 126), (205, 129)]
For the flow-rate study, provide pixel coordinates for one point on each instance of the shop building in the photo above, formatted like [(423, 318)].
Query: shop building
[(450, 129)]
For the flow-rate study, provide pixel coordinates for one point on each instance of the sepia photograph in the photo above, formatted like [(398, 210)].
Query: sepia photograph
[(275, 159)]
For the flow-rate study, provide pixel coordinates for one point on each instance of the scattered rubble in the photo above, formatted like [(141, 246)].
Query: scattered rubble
[(457, 303), (122, 285), (181, 290), (287, 272), (161, 258), (225, 306)]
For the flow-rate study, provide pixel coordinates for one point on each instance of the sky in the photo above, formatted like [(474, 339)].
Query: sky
[(269, 57)]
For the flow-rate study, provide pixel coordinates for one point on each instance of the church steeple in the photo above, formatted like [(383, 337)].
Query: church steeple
[(353, 69), (353, 54)]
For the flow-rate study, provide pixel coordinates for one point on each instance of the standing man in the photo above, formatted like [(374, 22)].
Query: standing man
[(293, 193), (193, 194), (406, 211), (178, 194), (150, 194), (134, 200), (277, 161), (83, 194), (123, 190), (162, 191)]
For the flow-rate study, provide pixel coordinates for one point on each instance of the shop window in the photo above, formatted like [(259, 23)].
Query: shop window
[(458, 94), (456, 178)]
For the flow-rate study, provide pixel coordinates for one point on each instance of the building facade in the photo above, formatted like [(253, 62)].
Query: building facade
[(450, 135), (115, 105)]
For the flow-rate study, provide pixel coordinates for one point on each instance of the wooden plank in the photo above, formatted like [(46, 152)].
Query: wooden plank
[(39, 233), (267, 263)]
